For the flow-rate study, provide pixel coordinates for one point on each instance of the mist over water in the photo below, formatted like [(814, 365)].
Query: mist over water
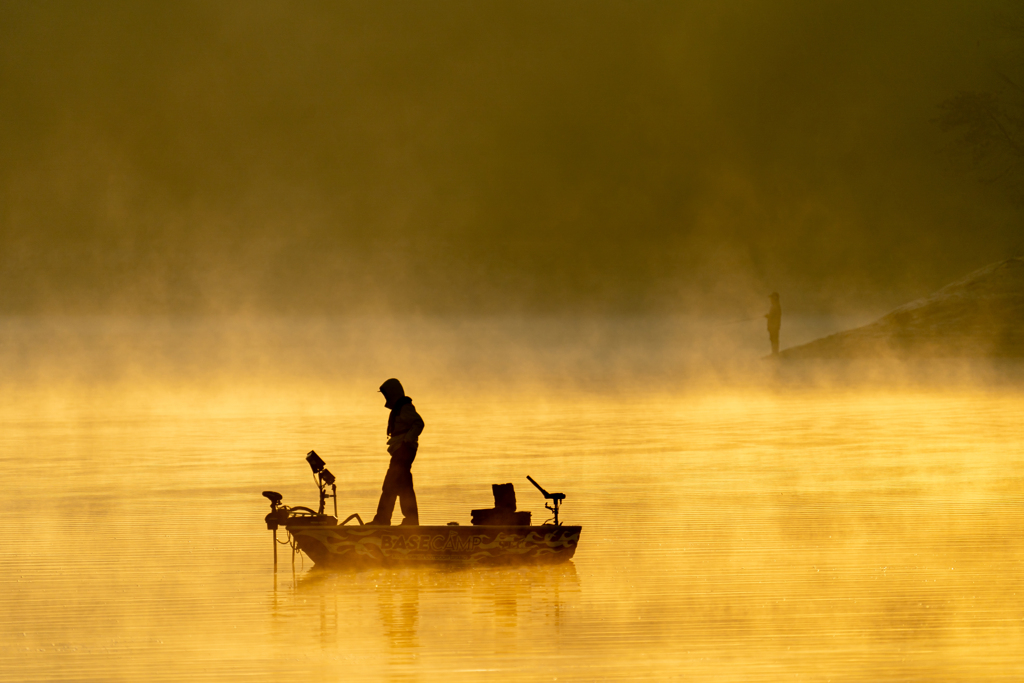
[(223, 225), (742, 519), (599, 351), (729, 534)]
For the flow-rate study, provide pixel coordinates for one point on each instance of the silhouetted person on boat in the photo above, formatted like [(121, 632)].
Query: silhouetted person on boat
[(774, 316), (404, 428)]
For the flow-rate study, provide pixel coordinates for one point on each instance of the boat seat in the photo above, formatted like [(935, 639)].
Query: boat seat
[(504, 511), (499, 517)]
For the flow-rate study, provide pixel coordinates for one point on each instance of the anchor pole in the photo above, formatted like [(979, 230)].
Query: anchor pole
[(275, 551)]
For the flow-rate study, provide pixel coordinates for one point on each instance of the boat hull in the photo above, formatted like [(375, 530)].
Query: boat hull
[(452, 545)]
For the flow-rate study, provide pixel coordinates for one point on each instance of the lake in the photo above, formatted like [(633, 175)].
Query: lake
[(729, 534)]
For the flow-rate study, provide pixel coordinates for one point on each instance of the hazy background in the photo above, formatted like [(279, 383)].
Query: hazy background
[(490, 158), (223, 224)]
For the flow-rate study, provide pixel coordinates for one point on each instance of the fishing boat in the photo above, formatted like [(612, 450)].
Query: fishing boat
[(497, 536)]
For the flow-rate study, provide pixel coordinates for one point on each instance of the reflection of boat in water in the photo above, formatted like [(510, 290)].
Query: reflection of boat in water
[(498, 536)]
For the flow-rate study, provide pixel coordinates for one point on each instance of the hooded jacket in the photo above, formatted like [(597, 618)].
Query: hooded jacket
[(404, 424)]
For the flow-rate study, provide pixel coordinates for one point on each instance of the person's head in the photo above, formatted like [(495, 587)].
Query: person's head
[(392, 390), (774, 296)]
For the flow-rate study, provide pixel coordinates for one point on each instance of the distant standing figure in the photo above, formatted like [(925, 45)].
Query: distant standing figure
[(774, 316), (404, 428)]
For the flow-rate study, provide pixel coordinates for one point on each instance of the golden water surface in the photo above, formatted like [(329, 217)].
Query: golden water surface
[(732, 536)]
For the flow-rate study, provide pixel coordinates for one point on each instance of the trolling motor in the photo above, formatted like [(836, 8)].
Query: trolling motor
[(273, 519), (324, 478), (298, 515), (275, 499), (555, 498)]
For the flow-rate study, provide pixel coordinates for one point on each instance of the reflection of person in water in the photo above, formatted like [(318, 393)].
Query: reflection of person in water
[(774, 316), (404, 428)]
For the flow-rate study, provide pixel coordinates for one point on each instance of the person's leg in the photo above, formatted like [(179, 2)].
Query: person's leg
[(775, 342), (407, 499), (388, 493)]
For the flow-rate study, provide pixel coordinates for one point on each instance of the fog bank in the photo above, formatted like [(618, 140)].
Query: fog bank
[(594, 158)]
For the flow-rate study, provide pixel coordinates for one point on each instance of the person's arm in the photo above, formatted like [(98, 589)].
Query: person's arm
[(408, 427), (416, 424)]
